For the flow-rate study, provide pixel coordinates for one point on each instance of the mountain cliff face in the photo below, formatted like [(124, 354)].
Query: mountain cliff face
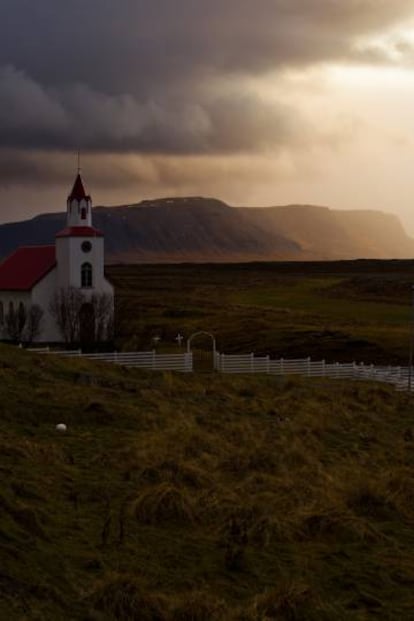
[(197, 229), (326, 234)]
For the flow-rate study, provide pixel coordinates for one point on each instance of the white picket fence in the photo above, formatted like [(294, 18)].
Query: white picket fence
[(249, 363), (138, 359)]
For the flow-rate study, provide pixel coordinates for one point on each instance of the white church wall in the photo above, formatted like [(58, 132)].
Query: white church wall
[(71, 257), (42, 295)]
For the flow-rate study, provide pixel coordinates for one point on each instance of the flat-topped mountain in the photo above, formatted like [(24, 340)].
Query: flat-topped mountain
[(200, 229)]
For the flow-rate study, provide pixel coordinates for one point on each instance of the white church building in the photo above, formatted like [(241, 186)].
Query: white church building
[(59, 293)]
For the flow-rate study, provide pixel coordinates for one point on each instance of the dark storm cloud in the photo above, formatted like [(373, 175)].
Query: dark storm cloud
[(136, 45), (134, 75), (72, 117)]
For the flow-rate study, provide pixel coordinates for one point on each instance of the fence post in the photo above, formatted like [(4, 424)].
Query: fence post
[(372, 371), (323, 368), (79, 352), (252, 362), (268, 364), (153, 359), (308, 366), (282, 368), (336, 370)]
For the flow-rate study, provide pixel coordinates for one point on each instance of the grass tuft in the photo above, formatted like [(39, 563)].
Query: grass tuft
[(289, 601), (124, 597), (200, 605), (162, 504)]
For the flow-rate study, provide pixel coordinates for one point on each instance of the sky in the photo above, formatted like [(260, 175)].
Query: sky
[(263, 102)]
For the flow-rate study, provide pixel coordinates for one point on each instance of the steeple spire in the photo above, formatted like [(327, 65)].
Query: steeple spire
[(78, 191), (79, 204)]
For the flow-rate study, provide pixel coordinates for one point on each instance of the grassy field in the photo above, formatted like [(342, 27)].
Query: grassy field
[(173, 498), (342, 311)]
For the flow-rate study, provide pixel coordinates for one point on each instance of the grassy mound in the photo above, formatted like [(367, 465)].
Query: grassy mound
[(190, 498)]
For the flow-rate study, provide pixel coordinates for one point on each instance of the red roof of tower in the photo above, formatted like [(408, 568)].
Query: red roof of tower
[(78, 190), (80, 231), (23, 269)]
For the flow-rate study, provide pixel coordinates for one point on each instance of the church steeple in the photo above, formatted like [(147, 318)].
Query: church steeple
[(78, 190), (79, 205), (80, 247)]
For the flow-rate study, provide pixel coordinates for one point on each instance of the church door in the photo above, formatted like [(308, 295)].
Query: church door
[(87, 324)]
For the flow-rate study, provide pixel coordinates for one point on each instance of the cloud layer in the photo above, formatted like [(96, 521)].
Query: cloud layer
[(141, 46), (79, 117), (131, 75), (174, 79)]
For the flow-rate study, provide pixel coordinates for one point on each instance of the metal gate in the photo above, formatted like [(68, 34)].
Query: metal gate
[(204, 353)]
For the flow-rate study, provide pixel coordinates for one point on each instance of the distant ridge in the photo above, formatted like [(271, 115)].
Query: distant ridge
[(208, 230)]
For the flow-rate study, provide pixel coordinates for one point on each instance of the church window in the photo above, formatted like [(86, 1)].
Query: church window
[(86, 275), (83, 213), (11, 309)]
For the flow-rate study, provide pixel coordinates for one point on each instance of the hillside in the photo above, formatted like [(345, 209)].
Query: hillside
[(200, 230), (174, 498)]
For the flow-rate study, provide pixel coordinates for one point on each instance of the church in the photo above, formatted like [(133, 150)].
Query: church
[(58, 293)]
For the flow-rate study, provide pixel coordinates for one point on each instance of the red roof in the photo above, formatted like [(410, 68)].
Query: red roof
[(78, 190), (80, 231), (21, 270)]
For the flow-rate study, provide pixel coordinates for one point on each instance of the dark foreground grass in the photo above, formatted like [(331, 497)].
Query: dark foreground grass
[(198, 498)]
